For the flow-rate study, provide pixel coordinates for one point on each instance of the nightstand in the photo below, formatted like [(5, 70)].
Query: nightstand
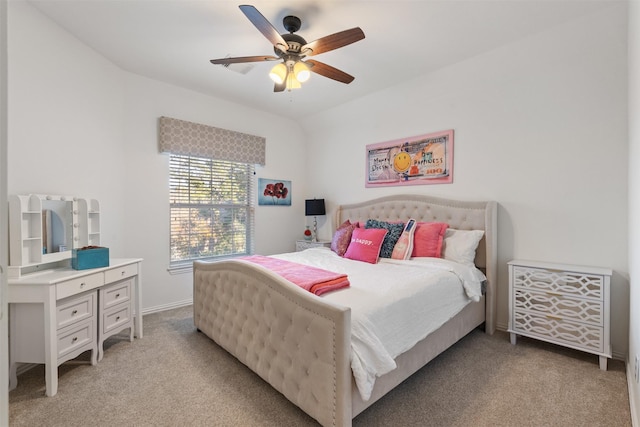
[(561, 304), (301, 245)]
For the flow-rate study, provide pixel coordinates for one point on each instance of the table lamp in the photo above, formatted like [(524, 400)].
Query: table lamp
[(314, 207)]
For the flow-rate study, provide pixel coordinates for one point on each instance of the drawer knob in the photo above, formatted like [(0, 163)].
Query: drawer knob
[(74, 339), (123, 273), (82, 285), (117, 318), (117, 295), (74, 312)]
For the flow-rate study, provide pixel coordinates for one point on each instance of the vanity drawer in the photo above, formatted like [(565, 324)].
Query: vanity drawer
[(119, 273), (116, 319), (113, 295), (75, 310), (75, 337), (81, 284)]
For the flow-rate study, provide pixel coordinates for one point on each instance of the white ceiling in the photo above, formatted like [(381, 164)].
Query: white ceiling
[(173, 40)]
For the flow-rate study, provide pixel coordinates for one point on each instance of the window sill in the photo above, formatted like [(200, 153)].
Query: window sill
[(187, 267), (180, 269)]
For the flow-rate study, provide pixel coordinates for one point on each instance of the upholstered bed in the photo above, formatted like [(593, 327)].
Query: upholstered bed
[(300, 343)]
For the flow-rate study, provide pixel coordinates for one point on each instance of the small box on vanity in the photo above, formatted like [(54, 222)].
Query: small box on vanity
[(89, 257)]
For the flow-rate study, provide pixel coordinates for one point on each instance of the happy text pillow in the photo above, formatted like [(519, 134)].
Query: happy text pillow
[(365, 244)]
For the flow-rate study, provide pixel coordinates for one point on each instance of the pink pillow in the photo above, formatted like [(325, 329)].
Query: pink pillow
[(427, 239), (365, 244), (342, 238)]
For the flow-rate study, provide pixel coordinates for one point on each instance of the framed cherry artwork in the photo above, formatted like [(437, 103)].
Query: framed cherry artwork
[(275, 192)]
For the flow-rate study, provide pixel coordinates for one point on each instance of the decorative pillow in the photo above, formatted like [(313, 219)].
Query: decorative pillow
[(428, 238), (394, 232), (460, 245), (365, 244), (342, 237), (404, 248)]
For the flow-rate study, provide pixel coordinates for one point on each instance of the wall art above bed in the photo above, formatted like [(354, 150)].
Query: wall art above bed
[(417, 160)]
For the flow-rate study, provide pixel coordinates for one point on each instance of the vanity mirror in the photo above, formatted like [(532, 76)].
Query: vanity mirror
[(43, 229), (57, 226)]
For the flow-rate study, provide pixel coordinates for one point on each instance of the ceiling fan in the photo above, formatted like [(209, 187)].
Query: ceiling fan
[(292, 49)]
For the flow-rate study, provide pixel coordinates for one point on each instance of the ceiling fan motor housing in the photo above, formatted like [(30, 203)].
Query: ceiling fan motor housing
[(291, 23), (294, 43)]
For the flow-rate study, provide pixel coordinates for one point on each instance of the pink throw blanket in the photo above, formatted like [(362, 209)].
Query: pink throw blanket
[(312, 279)]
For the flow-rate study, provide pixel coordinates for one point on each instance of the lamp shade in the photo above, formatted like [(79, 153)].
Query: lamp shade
[(278, 73), (301, 71), (292, 82), (314, 207)]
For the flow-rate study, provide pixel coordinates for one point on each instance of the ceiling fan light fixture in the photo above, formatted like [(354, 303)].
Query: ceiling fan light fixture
[(301, 71), (278, 73)]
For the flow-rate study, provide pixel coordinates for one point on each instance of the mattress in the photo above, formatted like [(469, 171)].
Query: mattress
[(394, 304)]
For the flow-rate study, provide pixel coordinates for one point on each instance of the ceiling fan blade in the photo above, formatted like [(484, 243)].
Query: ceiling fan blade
[(329, 71), (279, 87), (241, 59), (333, 41), (265, 27)]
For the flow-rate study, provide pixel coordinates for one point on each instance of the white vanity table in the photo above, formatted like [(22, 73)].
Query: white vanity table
[(55, 315), (56, 312)]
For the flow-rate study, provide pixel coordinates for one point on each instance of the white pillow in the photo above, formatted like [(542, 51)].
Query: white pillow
[(460, 245)]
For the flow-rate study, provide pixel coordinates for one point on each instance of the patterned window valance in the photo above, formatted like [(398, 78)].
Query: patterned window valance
[(194, 139)]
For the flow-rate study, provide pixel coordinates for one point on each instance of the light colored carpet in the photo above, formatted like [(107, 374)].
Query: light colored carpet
[(177, 376)]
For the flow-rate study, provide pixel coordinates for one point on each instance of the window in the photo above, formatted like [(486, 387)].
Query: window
[(212, 209)]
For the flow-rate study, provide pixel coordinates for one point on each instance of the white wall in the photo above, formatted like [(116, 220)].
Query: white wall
[(540, 127), (634, 207), (81, 126), (4, 241), (65, 118)]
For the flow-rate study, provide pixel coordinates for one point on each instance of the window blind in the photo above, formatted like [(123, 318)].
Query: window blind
[(212, 208)]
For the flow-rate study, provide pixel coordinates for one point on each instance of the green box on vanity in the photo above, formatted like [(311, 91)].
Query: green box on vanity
[(89, 257)]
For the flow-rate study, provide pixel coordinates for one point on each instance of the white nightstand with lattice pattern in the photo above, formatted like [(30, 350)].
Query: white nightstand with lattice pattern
[(301, 245), (561, 304)]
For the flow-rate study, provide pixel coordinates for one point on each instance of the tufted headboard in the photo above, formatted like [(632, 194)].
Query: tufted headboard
[(461, 215)]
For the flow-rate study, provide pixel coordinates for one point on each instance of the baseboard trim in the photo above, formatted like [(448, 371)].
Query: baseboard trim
[(24, 367), (619, 356), (164, 307), (632, 395)]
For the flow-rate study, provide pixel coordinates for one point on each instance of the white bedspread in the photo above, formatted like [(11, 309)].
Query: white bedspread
[(394, 304)]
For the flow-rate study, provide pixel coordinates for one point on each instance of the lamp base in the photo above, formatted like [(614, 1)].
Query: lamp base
[(308, 235), (315, 229)]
